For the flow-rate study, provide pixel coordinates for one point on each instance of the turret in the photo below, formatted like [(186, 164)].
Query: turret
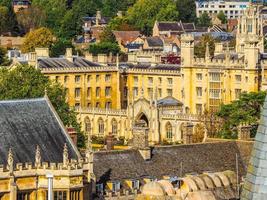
[(251, 51), (187, 50)]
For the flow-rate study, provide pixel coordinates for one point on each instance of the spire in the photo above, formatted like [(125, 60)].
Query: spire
[(65, 156), (207, 53), (37, 156), (255, 182), (10, 160)]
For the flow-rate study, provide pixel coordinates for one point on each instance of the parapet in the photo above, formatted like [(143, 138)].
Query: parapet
[(187, 37)]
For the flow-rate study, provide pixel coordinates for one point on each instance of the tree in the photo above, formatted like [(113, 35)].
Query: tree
[(104, 48), (59, 47), (3, 19), (27, 82), (144, 13), (107, 36), (42, 37), (186, 10), (244, 110), (3, 58), (31, 18), (200, 47), (221, 16), (204, 20), (120, 24)]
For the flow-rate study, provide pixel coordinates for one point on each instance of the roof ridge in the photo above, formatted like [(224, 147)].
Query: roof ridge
[(23, 100)]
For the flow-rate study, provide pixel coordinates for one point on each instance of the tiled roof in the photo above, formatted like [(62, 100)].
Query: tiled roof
[(154, 41), (24, 124), (64, 63), (255, 186), (196, 158), (170, 26), (126, 36)]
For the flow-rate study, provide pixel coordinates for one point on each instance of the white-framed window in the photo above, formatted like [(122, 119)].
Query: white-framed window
[(114, 126), (169, 130), (116, 186), (199, 76), (199, 91), (199, 109), (108, 105), (135, 184), (135, 91), (101, 126), (135, 80)]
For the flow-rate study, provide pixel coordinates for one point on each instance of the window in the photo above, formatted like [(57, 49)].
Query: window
[(60, 195), (77, 79), (66, 79), (97, 92), (199, 76), (99, 188), (169, 92), (108, 91), (88, 78), (150, 92), (135, 184), (116, 186), (199, 91), (77, 106), (97, 77), (150, 80), (89, 92), (199, 109), (135, 80), (238, 78), (57, 79), (135, 91), (169, 130), (169, 81), (97, 105), (101, 127), (125, 92), (77, 92), (215, 77), (89, 105), (246, 79), (108, 77), (160, 92), (23, 196), (108, 105), (160, 80), (87, 125), (114, 126), (215, 93), (75, 195), (237, 93)]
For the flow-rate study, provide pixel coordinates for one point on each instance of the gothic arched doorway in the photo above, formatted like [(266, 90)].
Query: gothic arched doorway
[(142, 118)]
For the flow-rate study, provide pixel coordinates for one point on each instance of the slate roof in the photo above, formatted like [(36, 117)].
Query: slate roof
[(24, 124), (174, 67), (154, 41), (169, 101), (196, 158), (64, 63), (255, 186), (170, 26)]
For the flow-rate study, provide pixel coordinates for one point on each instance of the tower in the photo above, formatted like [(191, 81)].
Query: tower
[(187, 50)]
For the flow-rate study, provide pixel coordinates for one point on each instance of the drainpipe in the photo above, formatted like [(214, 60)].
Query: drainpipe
[(50, 186)]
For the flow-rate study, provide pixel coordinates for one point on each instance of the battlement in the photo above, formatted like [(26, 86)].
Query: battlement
[(187, 37), (224, 63), (102, 111)]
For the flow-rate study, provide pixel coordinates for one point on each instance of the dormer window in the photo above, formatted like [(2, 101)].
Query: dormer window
[(99, 188)]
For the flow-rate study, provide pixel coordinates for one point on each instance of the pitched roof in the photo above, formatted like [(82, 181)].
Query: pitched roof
[(169, 101), (154, 41), (64, 63), (24, 124), (196, 158), (126, 36), (255, 183), (170, 26)]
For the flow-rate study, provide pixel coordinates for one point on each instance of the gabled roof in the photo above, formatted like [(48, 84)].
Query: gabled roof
[(169, 101), (24, 124), (126, 36), (64, 63)]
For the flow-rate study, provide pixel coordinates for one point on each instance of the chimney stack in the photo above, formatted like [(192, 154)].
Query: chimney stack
[(69, 55)]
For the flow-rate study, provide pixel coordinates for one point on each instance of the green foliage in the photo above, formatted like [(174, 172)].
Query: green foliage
[(120, 24), (27, 82), (200, 47), (59, 48), (245, 110), (104, 48), (144, 13), (42, 37), (3, 58), (221, 16), (107, 36), (204, 20), (97, 140), (3, 19), (186, 10)]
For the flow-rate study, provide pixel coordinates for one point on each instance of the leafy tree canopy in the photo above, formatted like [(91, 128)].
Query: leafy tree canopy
[(186, 10), (200, 47), (221, 16), (204, 20), (104, 48), (27, 82), (3, 58), (245, 110), (42, 37)]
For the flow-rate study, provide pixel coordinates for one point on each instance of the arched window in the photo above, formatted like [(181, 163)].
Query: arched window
[(169, 130), (101, 126), (87, 125), (114, 126)]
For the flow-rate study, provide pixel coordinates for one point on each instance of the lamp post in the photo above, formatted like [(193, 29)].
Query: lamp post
[(50, 186)]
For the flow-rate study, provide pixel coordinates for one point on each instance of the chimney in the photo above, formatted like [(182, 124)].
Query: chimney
[(98, 18), (102, 58), (42, 52), (140, 140), (244, 131), (110, 142), (188, 133), (69, 55), (73, 134)]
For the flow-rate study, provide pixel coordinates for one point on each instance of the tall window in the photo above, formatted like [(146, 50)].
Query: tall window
[(170, 81), (66, 79), (238, 78), (101, 127), (199, 76), (60, 195), (75, 195), (135, 91), (88, 78), (160, 92), (136, 80), (169, 92), (77, 92), (150, 80), (108, 77), (23, 196), (108, 105), (150, 92), (108, 91), (87, 125), (114, 125), (77, 79), (199, 109), (97, 78), (169, 130), (237, 93), (97, 92), (89, 93), (199, 91)]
